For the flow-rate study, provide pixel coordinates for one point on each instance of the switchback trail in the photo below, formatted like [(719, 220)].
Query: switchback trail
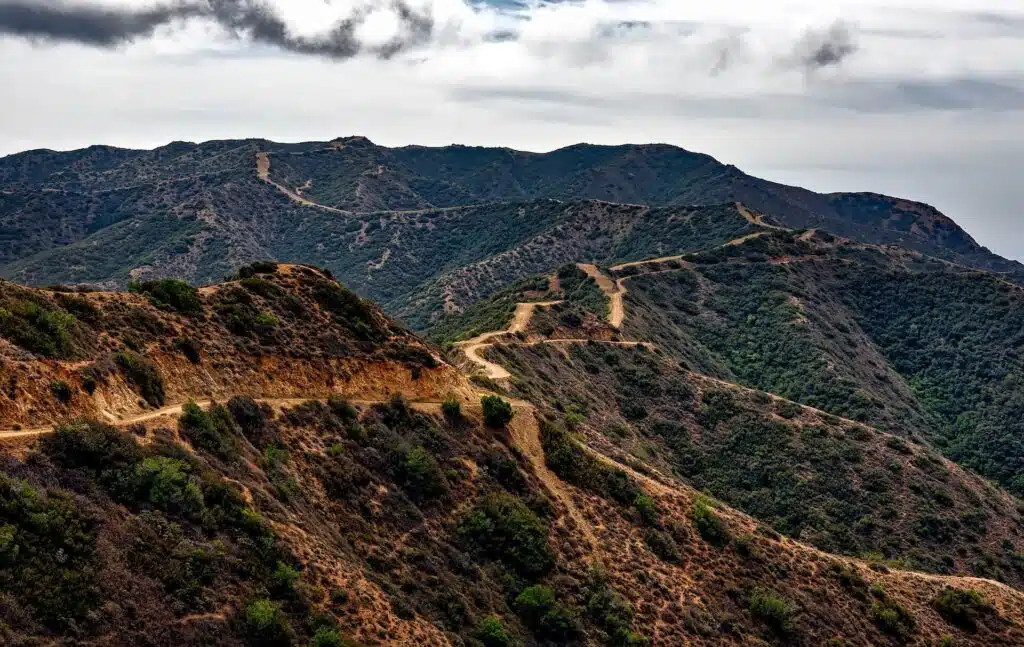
[(520, 321)]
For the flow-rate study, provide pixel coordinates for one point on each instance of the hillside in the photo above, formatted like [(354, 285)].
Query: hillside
[(420, 230), (350, 487), (874, 339)]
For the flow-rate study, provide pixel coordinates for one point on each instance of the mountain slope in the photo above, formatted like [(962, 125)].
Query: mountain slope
[(385, 519), (203, 197)]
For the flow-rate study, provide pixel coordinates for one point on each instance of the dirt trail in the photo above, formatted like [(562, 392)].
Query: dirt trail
[(524, 312), (526, 436), (613, 290), (649, 261), (520, 321), (263, 171), (178, 409)]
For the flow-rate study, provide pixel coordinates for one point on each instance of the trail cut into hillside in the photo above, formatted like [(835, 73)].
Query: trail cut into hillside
[(520, 321), (263, 171), (614, 291)]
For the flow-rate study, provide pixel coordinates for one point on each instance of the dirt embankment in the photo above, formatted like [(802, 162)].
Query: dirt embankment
[(269, 376)]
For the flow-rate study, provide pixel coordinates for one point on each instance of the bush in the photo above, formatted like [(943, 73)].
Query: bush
[(190, 348), (892, 618), (267, 320), (258, 267), (573, 464), (421, 474), (497, 412), (61, 390), (503, 528), (144, 375), (284, 580), (493, 634), (542, 612), (170, 294), (451, 408), (48, 554), (37, 329), (774, 610), (211, 430), (709, 525), (248, 414), (961, 607), (165, 483), (266, 625), (614, 614), (647, 508)]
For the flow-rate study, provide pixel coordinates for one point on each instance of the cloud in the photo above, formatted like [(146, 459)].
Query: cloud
[(829, 47), (100, 26), (88, 25)]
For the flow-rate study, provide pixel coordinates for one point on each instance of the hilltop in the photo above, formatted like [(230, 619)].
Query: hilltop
[(423, 231)]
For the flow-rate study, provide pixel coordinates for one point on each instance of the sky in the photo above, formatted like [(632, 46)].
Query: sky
[(914, 98)]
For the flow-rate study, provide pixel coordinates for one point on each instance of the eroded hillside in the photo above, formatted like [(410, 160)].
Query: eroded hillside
[(279, 331)]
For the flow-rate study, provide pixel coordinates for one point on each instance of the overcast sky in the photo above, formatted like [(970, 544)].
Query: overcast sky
[(918, 98)]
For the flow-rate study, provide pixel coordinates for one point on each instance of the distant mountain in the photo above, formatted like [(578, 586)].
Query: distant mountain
[(196, 211)]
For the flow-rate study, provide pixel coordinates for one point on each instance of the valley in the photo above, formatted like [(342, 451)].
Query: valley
[(611, 396)]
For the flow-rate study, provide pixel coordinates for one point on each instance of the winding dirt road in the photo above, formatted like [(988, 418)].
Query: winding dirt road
[(520, 321)]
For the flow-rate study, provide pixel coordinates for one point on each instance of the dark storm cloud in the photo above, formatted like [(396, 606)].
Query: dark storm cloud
[(251, 20), (819, 49), (97, 26)]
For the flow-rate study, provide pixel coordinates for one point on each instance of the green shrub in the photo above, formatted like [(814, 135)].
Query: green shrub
[(61, 390), (661, 544), (166, 484), (284, 579), (497, 412), (503, 528), (257, 267), (211, 430), (776, 611), (962, 607), (328, 637), (892, 618), (38, 329), (267, 320), (144, 375), (421, 474), (573, 464), (170, 294), (612, 613), (266, 625), (709, 524), (451, 408), (542, 612), (647, 508), (342, 408), (349, 310), (48, 554), (492, 633)]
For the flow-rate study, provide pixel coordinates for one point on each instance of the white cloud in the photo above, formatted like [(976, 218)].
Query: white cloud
[(934, 89)]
